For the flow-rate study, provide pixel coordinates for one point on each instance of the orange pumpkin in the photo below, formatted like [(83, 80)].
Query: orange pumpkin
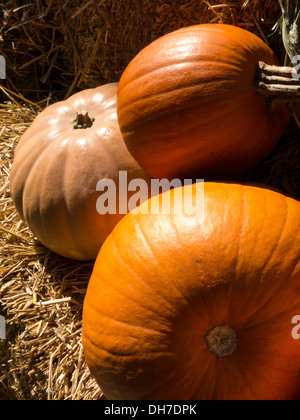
[(180, 307), (188, 105), (69, 147)]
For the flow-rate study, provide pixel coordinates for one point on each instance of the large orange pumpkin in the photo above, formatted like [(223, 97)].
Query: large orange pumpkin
[(58, 162), (180, 307), (188, 104)]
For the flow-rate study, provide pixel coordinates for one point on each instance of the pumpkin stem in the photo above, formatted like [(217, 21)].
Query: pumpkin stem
[(221, 340), (278, 84), (82, 120)]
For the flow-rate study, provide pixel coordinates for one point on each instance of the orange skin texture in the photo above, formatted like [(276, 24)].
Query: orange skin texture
[(161, 282), (56, 169), (187, 104)]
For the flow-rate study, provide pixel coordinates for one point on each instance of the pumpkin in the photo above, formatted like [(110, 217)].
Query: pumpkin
[(186, 307), (188, 105), (70, 146)]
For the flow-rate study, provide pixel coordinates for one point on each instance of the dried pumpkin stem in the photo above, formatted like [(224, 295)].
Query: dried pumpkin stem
[(83, 120), (281, 84), (222, 340)]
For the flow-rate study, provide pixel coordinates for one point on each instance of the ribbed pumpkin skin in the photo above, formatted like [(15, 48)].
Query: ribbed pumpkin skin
[(161, 282), (187, 104), (56, 170)]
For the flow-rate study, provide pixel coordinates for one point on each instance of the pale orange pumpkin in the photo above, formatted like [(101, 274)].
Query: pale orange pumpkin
[(182, 307), (58, 163)]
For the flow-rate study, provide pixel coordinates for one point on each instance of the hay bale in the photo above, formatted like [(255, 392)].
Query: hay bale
[(58, 47), (41, 296), (54, 48)]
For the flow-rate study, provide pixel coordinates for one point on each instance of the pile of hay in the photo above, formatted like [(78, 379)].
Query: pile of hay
[(57, 47), (54, 48), (41, 297)]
